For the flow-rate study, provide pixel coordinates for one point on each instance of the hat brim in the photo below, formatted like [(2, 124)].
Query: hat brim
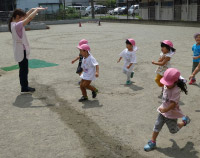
[(168, 45), (163, 81), (79, 47)]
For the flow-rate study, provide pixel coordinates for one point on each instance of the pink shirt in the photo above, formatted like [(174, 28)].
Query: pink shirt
[(18, 27), (168, 96)]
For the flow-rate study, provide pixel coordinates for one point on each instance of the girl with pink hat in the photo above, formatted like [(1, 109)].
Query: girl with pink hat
[(80, 57), (169, 111), (167, 51), (90, 71), (129, 55)]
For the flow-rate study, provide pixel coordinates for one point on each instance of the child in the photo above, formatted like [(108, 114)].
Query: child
[(196, 55), (80, 58), (129, 55), (169, 111), (90, 71), (20, 43), (167, 51)]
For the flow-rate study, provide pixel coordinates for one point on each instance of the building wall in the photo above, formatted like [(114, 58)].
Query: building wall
[(166, 11), (143, 13), (191, 15)]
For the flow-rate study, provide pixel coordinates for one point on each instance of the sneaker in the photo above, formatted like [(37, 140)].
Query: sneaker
[(192, 81), (94, 93), (128, 82), (83, 99), (186, 120), (149, 146), (28, 90), (132, 73)]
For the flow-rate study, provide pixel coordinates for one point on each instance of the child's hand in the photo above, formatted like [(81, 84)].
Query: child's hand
[(153, 62), (118, 61), (97, 74), (162, 110), (73, 61)]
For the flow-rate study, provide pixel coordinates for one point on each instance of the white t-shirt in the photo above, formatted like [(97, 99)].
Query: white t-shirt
[(129, 57), (161, 69), (89, 68)]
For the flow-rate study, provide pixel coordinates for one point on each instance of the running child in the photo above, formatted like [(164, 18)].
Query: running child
[(21, 47), (90, 71), (167, 51), (80, 57), (196, 56), (169, 110), (129, 55)]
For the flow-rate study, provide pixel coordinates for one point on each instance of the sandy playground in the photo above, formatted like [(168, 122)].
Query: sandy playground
[(51, 123)]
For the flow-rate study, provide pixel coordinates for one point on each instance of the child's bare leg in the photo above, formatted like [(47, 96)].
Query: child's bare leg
[(154, 136), (83, 88), (88, 86), (181, 124)]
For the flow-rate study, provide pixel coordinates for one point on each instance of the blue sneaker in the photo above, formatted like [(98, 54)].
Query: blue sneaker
[(149, 146), (128, 82), (186, 120)]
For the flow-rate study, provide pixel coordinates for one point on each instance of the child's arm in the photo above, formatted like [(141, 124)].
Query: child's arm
[(120, 58), (73, 61), (195, 71), (161, 59), (170, 107), (97, 71), (197, 57), (32, 15), (166, 59)]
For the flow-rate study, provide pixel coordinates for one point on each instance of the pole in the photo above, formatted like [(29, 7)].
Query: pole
[(127, 8), (92, 5), (187, 10)]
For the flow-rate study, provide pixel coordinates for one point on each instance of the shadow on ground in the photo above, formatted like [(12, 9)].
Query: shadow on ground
[(175, 151), (95, 141), (91, 104)]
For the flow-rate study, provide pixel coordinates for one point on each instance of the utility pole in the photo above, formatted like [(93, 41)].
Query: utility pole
[(127, 8), (92, 6)]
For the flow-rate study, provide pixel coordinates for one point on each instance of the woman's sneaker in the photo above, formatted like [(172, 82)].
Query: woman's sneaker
[(150, 146), (186, 120), (27, 90), (83, 99), (94, 93)]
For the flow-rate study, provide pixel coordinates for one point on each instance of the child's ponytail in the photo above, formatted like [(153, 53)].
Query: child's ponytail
[(181, 84), (9, 23), (18, 12)]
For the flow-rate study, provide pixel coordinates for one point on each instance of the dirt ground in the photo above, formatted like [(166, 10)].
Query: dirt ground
[(51, 123)]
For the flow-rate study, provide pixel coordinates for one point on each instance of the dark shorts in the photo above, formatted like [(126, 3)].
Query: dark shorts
[(194, 65), (171, 124)]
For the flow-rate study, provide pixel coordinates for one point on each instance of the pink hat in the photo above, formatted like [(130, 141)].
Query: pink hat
[(83, 41), (169, 43), (196, 34), (132, 41), (171, 75), (84, 47)]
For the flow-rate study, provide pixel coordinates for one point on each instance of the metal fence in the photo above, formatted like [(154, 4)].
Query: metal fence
[(176, 12)]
